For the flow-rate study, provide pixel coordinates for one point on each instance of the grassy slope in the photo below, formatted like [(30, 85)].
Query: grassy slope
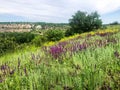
[(96, 68)]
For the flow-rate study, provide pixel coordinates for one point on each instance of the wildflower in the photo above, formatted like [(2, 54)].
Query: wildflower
[(3, 67), (1, 80), (56, 51)]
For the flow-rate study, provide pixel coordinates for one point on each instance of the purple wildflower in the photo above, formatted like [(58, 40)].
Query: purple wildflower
[(3, 67), (56, 51), (1, 80)]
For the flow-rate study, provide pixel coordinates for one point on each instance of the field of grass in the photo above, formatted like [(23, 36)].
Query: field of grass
[(89, 61)]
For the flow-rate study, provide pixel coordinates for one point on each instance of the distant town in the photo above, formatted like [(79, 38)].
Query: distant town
[(28, 26)]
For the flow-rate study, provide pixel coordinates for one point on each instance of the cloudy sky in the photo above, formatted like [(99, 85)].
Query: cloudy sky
[(57, 10)]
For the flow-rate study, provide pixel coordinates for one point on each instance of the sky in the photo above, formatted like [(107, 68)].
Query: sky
[(56, 11)]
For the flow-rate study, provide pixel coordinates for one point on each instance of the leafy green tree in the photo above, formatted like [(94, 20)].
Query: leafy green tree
[(84, 22), (114, 23)]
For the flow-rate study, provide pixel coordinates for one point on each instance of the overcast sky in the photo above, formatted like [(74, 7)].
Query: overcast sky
[(57, 10)]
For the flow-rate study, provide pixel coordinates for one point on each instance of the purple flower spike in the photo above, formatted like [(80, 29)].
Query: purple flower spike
[(56, 51)]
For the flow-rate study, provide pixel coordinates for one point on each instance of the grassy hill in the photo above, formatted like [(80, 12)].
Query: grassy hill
[(89, 61)]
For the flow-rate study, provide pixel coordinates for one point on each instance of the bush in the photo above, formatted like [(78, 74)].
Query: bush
[(69, 33), (7, 44), (19, 38), (11, 41), (23, 37), (104, 27), (54, 35), (39, 40)]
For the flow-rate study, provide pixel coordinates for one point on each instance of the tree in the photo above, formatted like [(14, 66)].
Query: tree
[(83, 22), (114, 23)]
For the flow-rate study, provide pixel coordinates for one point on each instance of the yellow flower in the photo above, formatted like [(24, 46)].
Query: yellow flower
[(92, 33), (49, 43), (82, 35)]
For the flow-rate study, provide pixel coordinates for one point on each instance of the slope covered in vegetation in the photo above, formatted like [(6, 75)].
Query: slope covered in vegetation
[(88, 61)]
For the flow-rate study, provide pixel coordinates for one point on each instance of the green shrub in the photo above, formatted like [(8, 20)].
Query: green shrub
[(54, 35), (39, 40), (7, 44), (69, 32), (23, 37), (11, 41), (103, 27)]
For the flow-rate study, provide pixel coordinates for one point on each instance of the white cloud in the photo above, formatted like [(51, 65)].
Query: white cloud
[(55, 10), (107, 6)]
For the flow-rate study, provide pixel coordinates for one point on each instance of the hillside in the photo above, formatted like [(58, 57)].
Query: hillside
[(88, 61)]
